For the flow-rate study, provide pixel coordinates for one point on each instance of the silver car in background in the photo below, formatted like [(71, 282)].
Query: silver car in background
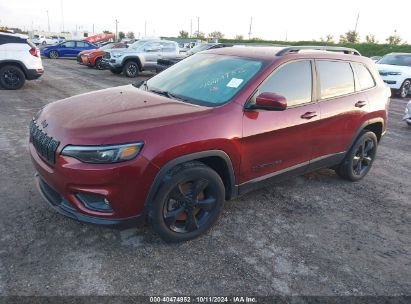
[(141, 55)]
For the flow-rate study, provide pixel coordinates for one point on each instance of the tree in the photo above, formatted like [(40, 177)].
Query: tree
[(183, 34), (394, 39), (216, 35), (107, 32), (350, 37), (370, 39), (329, 38), (130, 35), (121, 35), (239, 37), (199, 35)]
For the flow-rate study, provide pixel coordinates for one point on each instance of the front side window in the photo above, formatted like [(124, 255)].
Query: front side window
[(69, 44), (152, 47), (206, 79), (82, 44), (365, 79), (293, 81), (168, 47), (336, 78)]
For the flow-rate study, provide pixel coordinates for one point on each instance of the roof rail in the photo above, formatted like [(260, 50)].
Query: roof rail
[(296, 49)]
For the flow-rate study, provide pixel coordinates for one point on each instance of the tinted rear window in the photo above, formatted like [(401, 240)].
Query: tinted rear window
[(364, 77), (336, 78)]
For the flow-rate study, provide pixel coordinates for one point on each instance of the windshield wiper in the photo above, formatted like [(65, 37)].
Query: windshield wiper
[(168, 94)]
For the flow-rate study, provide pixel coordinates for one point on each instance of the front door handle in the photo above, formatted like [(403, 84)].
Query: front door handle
[(360, 104), (309, 115)]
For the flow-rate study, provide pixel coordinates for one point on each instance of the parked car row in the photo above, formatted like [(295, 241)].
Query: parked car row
[(43, 40)]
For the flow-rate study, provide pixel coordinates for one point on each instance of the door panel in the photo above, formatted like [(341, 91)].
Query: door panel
[(277, 140)]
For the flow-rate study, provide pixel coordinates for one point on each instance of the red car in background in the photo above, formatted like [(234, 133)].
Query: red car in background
[(92, 58)]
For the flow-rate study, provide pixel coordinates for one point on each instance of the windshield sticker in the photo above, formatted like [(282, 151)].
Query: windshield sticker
[(234, 83)]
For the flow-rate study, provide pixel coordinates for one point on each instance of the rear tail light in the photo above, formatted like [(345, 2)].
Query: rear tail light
[(34, 51)]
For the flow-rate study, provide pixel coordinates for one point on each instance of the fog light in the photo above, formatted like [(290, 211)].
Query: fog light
[(95, 202)]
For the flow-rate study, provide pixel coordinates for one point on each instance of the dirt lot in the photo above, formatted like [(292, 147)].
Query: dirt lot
[(311, 235)]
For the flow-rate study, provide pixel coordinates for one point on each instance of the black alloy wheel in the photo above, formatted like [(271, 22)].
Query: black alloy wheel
[(12, 77), (188, 202), (360, 158)]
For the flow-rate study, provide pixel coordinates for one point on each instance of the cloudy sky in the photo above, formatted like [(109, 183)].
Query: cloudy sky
[(275, 20)]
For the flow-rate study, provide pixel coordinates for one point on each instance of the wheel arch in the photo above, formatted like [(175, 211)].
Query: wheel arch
[(376, 125), (218, 160), (133, 58), (16, 63)]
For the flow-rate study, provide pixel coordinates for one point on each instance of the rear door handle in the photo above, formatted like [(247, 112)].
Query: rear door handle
[(360, 104), (309, 115)]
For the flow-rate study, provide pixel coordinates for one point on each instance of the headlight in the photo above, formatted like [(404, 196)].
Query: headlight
[(394, 73), (116, 55), (103, 154)]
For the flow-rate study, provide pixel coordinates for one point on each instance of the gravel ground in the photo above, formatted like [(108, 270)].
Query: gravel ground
[(311, 235)]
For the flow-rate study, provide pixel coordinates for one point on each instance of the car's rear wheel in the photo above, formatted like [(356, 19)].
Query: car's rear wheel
[(405, 89), (131, 69), (44, 43), (54, 55), (358, 161), (116, 71), (188, 202), (98, 64), (12, 77)]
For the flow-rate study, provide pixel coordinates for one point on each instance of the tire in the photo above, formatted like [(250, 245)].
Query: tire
[(131, 69), (177, 212), (53, 55), (116, 71), (44, 43), (405, 89), (12, 77), (97, 64), (358, 161)]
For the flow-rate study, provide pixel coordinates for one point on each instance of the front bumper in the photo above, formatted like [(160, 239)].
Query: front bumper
[(125, 185), (392, 83), (63, 206), (105, 63)]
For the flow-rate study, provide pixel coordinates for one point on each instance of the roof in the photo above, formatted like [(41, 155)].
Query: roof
[(270, 53)]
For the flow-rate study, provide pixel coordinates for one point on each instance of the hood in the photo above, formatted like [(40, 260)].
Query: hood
[(85, 52), (393, 68), (100, 116)]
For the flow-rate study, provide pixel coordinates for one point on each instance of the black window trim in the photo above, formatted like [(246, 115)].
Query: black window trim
[(319, 99), (314, 85)]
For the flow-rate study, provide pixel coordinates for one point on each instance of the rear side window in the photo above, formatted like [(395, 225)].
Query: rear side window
[(364, 77), (168, 47), (293, 81), (4, 39), (82, 44), (336, 78)]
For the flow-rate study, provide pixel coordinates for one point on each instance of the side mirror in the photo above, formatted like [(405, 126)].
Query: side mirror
[(270, 102)]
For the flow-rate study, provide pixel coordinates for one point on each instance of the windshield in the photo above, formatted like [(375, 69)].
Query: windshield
[(403, 60), (107, 46), (199, 48), (206, 79)]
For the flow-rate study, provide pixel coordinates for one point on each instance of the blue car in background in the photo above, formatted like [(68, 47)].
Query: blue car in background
[(69, 48)]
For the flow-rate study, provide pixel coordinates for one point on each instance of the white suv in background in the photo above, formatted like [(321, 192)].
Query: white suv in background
[(19, 60), (395, 70)]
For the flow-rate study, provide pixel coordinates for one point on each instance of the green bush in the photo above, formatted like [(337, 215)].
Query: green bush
[(366, 49)]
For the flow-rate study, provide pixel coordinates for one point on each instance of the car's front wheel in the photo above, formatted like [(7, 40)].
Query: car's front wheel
[(11, 77), (405, 89), (131, 69), (98, 64), (54, 55), (358, 161), (188, 202)]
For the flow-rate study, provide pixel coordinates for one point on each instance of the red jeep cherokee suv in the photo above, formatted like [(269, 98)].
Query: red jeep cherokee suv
[(172, 149)]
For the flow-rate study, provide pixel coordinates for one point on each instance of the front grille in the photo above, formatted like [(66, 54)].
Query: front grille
[(45, 145), (107, 55), (383, 73)]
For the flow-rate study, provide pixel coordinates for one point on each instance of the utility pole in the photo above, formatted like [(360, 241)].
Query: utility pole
[(249, 33), (356, 23), (62, 15), (191, 28), (116, 37), (198, 26), (93, 28), (145, 28), (48, 21)]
